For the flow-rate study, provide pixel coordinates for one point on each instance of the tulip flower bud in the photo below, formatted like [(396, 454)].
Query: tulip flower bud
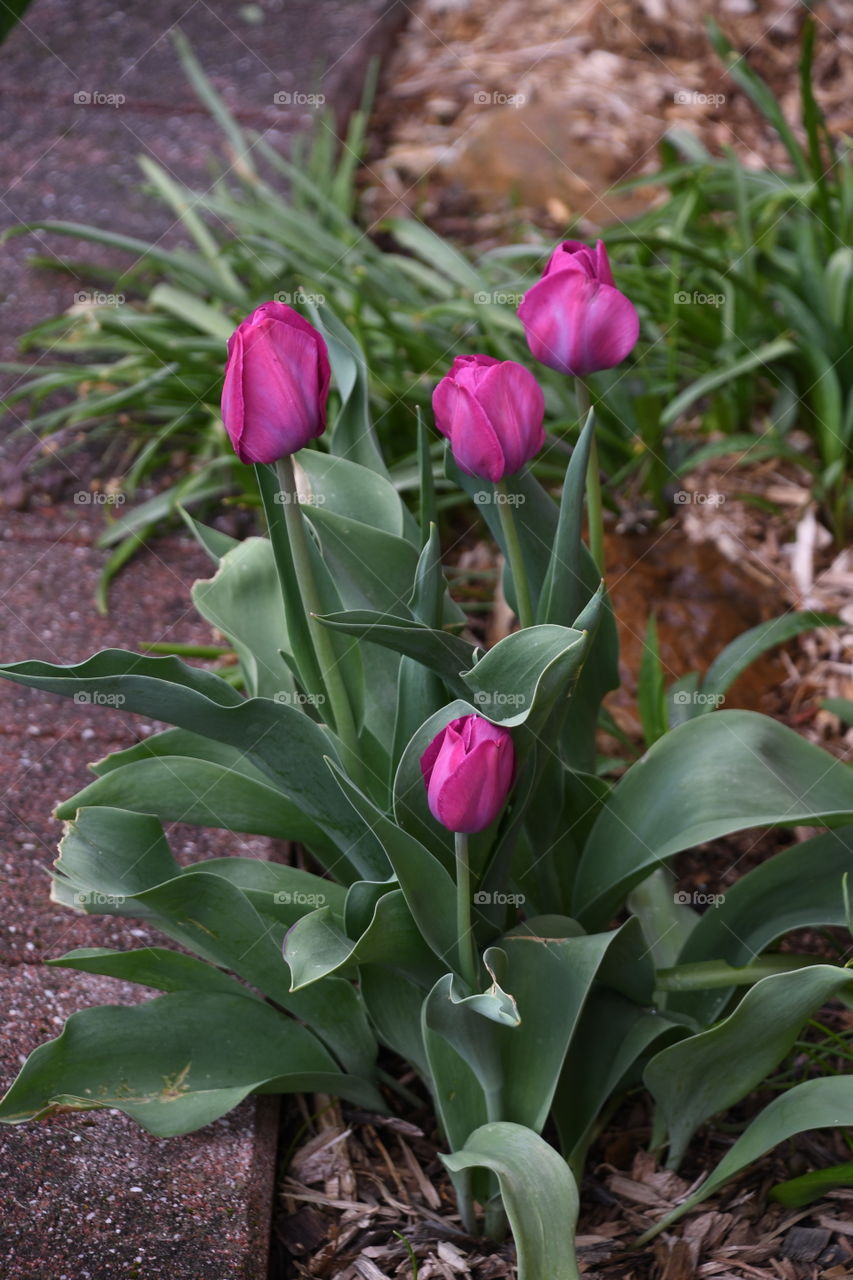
[(468, 769), (575, 319), (276, 384), (491, 412)]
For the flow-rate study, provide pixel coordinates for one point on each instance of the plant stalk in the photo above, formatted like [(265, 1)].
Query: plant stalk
[(327, 662), (594, 510), (514, 555), (705, 975), (464, 932)]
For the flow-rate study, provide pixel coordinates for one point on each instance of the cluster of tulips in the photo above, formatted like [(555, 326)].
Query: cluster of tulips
[(484, 901), (491, 411)]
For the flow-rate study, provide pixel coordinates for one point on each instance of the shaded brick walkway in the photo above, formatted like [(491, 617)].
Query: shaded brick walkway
[(91, 1195)]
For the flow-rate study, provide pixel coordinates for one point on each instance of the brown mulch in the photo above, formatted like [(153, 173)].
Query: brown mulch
[(498, 112), (364, 1196)]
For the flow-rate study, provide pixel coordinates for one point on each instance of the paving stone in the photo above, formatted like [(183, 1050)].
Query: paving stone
[(48, 573), (91, 1196), (77, 160)]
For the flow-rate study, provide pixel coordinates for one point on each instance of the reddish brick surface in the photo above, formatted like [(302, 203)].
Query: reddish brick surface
[(92, 1197)]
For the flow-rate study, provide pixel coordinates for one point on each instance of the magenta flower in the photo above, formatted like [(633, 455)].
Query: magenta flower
[(575, 319), (276, 384), (468, 769), (491, 412)]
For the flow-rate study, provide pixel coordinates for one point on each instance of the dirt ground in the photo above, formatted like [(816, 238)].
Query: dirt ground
[(493, 113)]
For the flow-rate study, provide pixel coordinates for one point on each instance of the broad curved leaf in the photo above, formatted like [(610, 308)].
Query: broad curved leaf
[(539, 1195), (799, 888), (706, 1073), (815, 1104), (707, 778), (175, 1063)]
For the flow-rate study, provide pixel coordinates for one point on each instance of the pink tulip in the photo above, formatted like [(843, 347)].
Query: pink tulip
[(276, 384), (468, 769), (491, 412), (575, 318)]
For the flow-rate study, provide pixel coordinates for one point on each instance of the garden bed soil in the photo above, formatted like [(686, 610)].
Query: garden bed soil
[(368, 1199), (497, 113)]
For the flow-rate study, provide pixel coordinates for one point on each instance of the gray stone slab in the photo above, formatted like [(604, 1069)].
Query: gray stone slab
[(77, 160), (91, 1196), (48, 572)]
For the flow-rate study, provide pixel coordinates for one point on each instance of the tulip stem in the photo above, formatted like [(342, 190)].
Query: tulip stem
[(327, 661), (464, 930), (594, 512), (514, 554)]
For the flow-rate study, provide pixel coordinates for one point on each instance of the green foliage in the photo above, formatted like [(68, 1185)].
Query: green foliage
[(349, 662), (749, 273), (310, 973)]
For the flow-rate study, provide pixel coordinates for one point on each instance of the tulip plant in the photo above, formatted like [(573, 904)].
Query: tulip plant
[(474, 897)]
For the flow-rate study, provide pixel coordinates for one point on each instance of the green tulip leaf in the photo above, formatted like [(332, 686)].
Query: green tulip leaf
[(538, 1191), (350, 490), (372, 569), (709, 1072), (571, 576), (280, 740), (352, 435), (152, 967), (535, 517), (205, 794), (445, 654), (178, 742), (317, 946), (798, 888), (110, 868), (732, 661), (283, 893), (523, 676), (393, 1003), (709, 777), (429, 891), (815, 1104), (616, 1034), (243, 601), (175, 1063)]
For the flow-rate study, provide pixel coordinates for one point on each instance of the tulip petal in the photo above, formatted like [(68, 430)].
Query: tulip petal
[(233, 415), (475, 445), (576, 325), (279, 391), (469, 768), (468, 798), (509, 394)]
